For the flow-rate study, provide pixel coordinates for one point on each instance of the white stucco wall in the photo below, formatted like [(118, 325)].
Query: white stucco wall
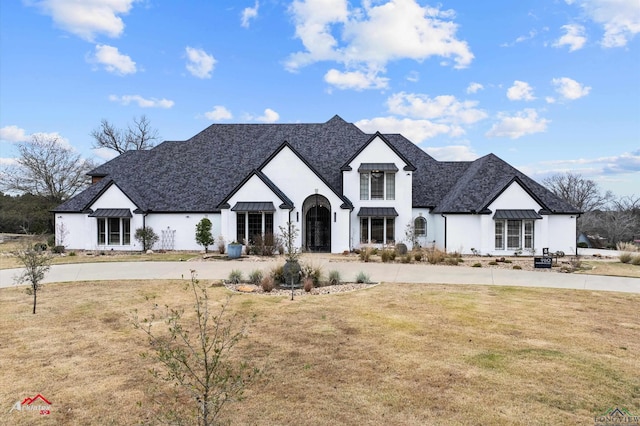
[(177, 231), (298, 182), (379, 152)]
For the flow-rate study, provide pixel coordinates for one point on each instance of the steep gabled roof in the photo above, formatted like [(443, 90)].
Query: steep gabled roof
[(198, 174), (485, 179)]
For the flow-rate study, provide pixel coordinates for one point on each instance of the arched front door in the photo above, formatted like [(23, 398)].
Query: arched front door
[(317, 224)]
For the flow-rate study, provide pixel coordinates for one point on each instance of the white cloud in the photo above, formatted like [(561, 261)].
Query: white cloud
[(142, 102), (620, 19), (13, 134), (200, 63), (474, 87), (269, 116), (452, 153), (87, 19), (521, 39), (573, 37), (570, 89), (4, 162), (374, 34), (248, 14), (355, 80), (416, 131), (520, 91), (444, 108), (113, 61), (218, 113), (525, 122), (105, 153)]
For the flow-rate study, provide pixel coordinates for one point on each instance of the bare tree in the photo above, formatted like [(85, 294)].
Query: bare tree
[(137, 136), (36, 263), (199, 357), (584, 194), (47, 167)]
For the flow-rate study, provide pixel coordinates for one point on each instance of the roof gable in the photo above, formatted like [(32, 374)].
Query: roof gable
[(408, 166)]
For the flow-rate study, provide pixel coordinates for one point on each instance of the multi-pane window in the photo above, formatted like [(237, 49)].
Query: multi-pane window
[(377, 185), (377, 230), (514, 234), (528, 234), (499, 235), (420, 226), (114, 231), (519, 234), (250, 224)]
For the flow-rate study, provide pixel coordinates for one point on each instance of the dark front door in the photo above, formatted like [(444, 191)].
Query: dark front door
[(318, 229)]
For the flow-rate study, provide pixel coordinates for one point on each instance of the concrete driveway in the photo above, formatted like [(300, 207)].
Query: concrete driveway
[(378, 272)]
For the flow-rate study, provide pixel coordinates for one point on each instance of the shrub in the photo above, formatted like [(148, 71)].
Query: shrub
[(51, 241), (453, 261), (334, 277), (235, 277), (222, 245), (507, 261), (362, 278), (40, 247), (365, 253), (313, 272), (493, 263), (203, 234), (625, 257), (147, 237), (72, 253), (417, 256), (630, 247), (582, 244), (517, 267), (477, 265), (406, 258), (635, 260), (255, 276), (435, 255), (308, 284), (277, 273), (267, 284), (386, 255), (58, 249)]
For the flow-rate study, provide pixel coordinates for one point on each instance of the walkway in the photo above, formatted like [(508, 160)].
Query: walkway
[(379, 272)]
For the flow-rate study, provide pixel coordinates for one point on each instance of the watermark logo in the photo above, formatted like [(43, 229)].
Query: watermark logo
[(38, 404), (618, 416)]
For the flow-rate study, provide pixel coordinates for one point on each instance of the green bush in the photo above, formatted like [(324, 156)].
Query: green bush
[(334, 278), (582, 244), (477, 265), (362, 278), (72, 253), (235, 277), (58, 249), (517, 267), (386, 255), (255, 276), (406, 258), (493, 263), (365, 254), (635, 260), (40, 247)]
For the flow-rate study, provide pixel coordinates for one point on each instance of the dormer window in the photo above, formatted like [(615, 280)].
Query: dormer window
[(377, 181)]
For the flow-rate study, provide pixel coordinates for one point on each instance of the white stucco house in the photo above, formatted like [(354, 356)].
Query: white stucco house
[(339, 186)]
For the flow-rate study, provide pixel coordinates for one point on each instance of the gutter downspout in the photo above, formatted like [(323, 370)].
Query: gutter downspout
[(445, 231), (577, 217)]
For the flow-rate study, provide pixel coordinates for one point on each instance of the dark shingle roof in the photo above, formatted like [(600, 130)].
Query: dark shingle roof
[(197, 175)]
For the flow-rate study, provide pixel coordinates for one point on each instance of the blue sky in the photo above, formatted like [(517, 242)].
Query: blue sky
[(549, 86)]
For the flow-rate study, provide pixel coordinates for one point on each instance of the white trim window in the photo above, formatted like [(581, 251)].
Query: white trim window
[(519, 234), (420, 226), (377, 185), (377, 230), (114, 231), (250, 224)]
